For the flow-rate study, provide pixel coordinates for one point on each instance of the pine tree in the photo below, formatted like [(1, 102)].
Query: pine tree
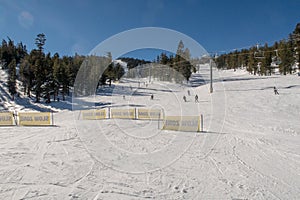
[(266, 61), (221, 61), (181, 64), (39, 64), (4, 56), (21, 52), (286, 55), (119, 71), (8, 52), (180, 49), (296, 40), (186, 69), (40, 41), (39, 75), (12, 77), (27, 74), (64, 73), (48, 85), (77, 60), (56, 75), (252, 63), (164, 59)]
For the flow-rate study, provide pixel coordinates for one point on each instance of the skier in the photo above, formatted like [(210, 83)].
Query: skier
[(152, 96), (275, 91), (184, 98), (188, 92), (196, 99)]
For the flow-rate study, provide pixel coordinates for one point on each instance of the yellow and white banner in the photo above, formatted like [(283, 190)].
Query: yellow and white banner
[(6, 119), (93, 114), (34, 118), (149, 114), (182, 123), (122, 113)]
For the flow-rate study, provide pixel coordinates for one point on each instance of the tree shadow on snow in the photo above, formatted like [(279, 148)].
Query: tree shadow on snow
[(128, 105), (213, 132), (261, 89), (128, 91), (28, 104), (241, 79)]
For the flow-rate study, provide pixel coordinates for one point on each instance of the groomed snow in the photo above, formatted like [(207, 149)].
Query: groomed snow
[(249, 149)]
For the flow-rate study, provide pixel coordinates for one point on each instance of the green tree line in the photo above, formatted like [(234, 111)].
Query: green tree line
[(172, 67), (264, 60), (180, 64), (43, 74), (47, 76)]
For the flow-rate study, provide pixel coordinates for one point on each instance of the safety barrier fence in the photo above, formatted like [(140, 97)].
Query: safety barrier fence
[(183, 123), (174, 123), (26, 118), (6, 119)]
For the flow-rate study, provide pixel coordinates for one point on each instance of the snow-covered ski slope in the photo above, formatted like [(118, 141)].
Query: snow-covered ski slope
[(250, 148)]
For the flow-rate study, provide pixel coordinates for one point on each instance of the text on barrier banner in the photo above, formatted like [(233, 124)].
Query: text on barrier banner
[(182, 123), (93, 114), (149, 113), (6, 119), (123, 113), (34, 118)]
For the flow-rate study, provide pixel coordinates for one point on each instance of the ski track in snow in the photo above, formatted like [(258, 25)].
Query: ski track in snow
[(249, 150)]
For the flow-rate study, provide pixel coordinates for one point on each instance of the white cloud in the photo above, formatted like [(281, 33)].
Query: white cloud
[(26, 19)]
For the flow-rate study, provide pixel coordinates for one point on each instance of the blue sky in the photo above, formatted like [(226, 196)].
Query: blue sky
[(80, 25)]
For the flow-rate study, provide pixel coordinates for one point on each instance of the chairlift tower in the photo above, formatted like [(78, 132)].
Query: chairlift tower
[(211, 71), (211, 76)]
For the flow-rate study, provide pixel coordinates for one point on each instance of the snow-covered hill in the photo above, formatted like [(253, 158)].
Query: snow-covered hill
[(249, 150), (122, 63)]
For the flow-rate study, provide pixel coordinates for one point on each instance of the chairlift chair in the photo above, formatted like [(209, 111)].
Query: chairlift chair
[(259, 54), (276, 59)]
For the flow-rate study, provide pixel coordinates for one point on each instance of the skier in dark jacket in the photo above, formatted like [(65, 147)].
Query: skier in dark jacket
[(196, 99), (275, 91)]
